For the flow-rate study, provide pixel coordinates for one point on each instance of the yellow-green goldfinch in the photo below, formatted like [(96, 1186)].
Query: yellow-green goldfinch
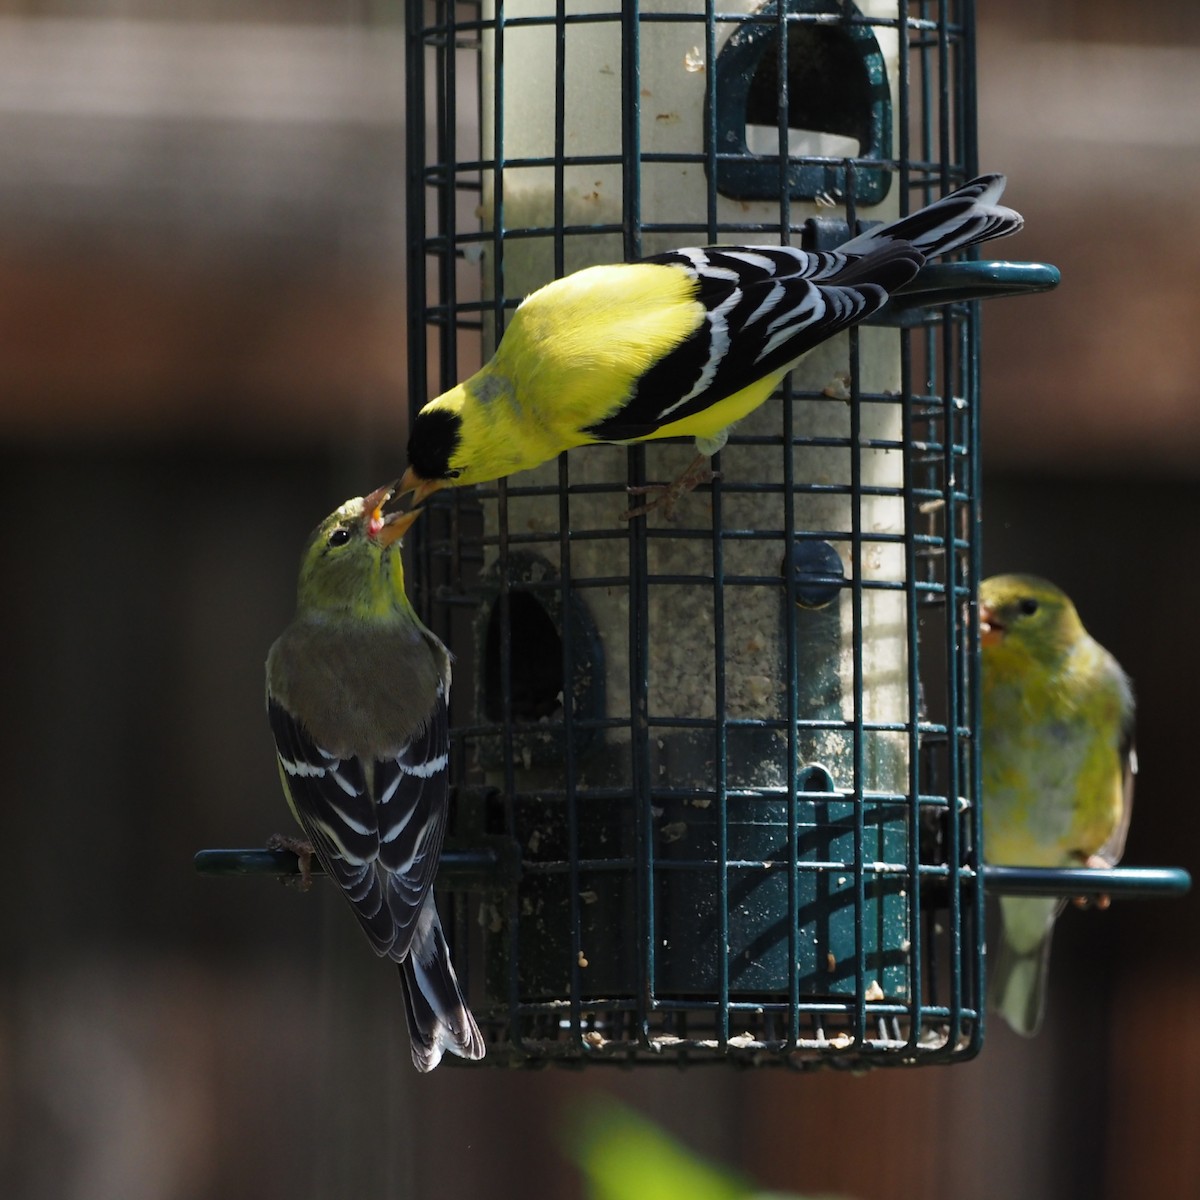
[(357, 690), (1058, 766), (681, 344)]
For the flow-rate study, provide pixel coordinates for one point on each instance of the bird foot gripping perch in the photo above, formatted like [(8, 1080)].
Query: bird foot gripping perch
[(302, 848), (1095, 862), (699, 472)]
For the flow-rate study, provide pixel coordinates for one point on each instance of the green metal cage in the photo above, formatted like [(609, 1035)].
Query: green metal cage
[(716, 778), (728, 761)]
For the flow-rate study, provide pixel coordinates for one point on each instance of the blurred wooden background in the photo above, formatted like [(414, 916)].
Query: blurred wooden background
[(202, 350)]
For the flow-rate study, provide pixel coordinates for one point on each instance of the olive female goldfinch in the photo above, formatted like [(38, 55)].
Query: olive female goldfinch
[(357, 692), (1058, 767)]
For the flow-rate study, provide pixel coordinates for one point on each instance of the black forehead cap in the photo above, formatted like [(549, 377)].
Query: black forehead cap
[(435, 437)]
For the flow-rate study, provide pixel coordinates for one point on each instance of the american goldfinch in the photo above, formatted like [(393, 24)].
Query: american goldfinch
[(1058, 766), (357, 690), (681, 344)]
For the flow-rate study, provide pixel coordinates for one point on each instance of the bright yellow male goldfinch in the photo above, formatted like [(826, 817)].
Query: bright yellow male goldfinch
[(681, 344), (1058, 767), (357, 690)]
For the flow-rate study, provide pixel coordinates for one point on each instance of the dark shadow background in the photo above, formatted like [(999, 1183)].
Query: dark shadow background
[(202, 351)]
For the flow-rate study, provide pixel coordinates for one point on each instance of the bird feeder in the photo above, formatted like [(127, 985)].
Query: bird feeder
[(730, 751), (716, 771)]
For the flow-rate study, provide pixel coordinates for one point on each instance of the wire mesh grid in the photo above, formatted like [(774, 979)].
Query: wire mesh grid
[(724, 763)]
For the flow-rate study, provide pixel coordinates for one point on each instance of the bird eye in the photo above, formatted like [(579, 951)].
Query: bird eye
[(1028, 606), (339, 537)]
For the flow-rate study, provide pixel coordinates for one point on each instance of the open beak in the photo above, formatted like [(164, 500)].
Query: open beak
[(373, 503), (389, 527), (991, 631), (396, 525), (421, 489)]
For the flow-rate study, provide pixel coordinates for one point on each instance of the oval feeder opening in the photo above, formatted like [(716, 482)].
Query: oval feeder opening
[(536, 682), (821, 89), (527, 647)]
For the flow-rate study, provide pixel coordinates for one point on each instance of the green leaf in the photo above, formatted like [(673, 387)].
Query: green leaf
[(625, 1157)]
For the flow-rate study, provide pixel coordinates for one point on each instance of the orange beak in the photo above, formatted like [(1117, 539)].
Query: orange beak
[(377, 499), (990, 630), (392, 527), (421, 489), (396, 525)]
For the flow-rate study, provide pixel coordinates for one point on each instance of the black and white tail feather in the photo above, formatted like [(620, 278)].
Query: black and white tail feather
[(438, 1018), (377, 829), (768, 306), (962, 218)]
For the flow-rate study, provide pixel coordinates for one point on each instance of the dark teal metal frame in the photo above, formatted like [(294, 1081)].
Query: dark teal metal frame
[(481, 868)]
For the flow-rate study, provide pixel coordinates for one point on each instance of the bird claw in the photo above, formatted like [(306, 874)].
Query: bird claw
[(699, 472), (302, 849), (1101, 902), (664, 501)]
